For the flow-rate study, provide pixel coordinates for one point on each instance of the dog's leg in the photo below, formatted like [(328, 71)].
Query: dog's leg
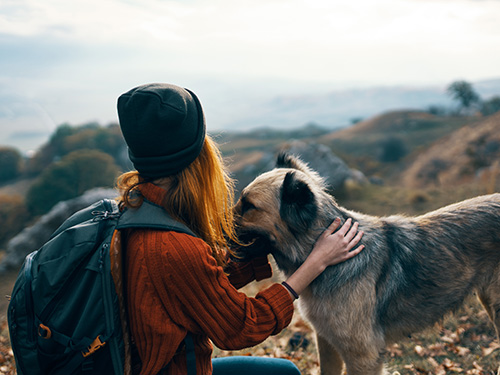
[(363, 354), (330, 361), (364, 364), (490, 299)]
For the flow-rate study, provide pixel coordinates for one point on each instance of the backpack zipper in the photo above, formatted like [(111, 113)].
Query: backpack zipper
[(29, 296), (48, 310), (106, 284)]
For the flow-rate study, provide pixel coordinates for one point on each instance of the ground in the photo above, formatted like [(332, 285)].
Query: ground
[(464, 343)]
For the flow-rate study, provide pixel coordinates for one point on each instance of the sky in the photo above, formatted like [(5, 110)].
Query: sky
[(68, 61)]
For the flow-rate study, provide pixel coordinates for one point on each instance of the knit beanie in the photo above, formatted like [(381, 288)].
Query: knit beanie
[(164, 128)]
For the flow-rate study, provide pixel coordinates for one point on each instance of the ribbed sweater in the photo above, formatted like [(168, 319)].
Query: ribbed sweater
[(175, 286)]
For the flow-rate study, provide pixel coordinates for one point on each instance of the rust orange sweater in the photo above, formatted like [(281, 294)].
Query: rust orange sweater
[(174, 286)]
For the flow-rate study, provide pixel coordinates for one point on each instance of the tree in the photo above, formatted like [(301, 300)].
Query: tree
[(70, 177), (10, 163), (464, 93)]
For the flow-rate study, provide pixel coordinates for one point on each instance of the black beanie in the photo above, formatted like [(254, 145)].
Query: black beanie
[(163, 126)]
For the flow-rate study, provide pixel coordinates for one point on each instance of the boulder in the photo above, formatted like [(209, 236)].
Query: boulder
[(329, 166)]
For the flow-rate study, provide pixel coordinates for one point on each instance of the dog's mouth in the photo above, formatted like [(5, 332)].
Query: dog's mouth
[(253, 244)]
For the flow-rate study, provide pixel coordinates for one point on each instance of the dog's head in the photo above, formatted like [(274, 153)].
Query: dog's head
[(282, 212)]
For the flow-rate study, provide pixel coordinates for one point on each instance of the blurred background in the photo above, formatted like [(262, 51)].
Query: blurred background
[(395, 102)]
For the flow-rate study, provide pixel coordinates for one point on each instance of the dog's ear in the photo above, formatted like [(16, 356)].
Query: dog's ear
[(285, 160), (298, 204)]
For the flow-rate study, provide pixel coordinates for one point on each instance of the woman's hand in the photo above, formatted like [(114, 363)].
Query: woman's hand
[(336, 247), (330, 248)]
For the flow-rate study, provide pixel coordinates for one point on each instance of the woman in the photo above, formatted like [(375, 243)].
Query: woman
[(182, 286)]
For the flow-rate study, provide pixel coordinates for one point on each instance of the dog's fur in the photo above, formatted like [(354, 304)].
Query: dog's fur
[(412, 272)]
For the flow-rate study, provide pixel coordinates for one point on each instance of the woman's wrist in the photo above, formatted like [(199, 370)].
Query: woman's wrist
[(290, 290), (304, 275)]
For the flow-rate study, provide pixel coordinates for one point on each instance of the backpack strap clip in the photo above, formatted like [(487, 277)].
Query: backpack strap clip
[(44, 332), (96, 345)]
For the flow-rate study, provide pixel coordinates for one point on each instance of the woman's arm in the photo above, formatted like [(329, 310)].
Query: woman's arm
[(242, 273), (330, 248)]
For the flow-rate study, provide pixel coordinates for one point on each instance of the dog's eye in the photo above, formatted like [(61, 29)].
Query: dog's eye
[(246, 206)]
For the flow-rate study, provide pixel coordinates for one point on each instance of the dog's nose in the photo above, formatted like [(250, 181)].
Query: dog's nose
[(237, 208)]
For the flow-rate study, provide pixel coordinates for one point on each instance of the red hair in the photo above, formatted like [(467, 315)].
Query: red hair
[(201, 196)]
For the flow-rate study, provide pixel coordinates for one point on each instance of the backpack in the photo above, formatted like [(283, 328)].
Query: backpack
[(66, 314)]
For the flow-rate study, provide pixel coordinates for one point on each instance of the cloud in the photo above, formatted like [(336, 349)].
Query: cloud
[(363, 40), (73, 58)]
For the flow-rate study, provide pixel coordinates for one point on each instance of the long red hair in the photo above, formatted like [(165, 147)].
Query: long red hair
[(201, 196)]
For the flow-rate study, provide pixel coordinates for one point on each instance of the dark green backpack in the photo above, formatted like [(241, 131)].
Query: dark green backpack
[(65, 315)]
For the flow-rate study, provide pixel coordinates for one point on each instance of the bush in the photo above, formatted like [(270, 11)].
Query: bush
[(393, 149), (491, 106), (10, 163), (70, 177), (13, 217), (67, 139)]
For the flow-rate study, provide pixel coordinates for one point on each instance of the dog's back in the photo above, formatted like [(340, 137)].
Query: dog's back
[(422, 267)]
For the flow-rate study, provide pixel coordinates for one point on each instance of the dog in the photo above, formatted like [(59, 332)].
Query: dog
[(412, 271)]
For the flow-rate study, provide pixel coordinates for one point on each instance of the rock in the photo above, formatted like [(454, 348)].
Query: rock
[(321, 158), (298, 340), (33, 237)]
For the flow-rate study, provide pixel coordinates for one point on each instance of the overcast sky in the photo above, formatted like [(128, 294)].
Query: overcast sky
[(68, 61)]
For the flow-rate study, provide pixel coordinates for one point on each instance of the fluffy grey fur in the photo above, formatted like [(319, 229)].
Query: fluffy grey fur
[(412, 271)]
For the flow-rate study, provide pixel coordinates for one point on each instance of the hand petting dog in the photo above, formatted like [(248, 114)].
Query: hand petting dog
[(332, 247)]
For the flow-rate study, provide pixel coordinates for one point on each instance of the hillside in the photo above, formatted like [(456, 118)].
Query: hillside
[(396, 146), (410, 132), (472, 152)]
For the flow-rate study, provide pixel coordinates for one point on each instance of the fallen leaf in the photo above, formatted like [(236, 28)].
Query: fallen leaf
[(433, 362), (493, 346), (419, 350), (461, 351)]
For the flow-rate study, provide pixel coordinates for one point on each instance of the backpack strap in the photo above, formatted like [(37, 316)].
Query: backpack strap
[(150, 215), (190, 355)]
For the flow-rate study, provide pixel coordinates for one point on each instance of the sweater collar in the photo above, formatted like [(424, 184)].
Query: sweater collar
[(153, 193)]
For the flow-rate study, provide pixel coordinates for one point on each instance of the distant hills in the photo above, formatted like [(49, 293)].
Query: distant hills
[(245, 108), (339, 108), (407, 149)]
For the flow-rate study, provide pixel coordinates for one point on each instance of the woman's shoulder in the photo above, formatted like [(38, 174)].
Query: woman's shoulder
[(173, 245), (179, 255)]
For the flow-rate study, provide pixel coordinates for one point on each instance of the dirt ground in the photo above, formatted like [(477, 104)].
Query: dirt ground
[(6, 284)]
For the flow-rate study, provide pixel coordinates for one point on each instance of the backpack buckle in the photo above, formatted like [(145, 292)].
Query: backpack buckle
[(92, 348), (44, 332)]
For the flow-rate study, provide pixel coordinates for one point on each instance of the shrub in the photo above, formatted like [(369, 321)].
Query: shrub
[(67, 139), (491, 106), (393, 149), (70, 177), (10, 163)]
